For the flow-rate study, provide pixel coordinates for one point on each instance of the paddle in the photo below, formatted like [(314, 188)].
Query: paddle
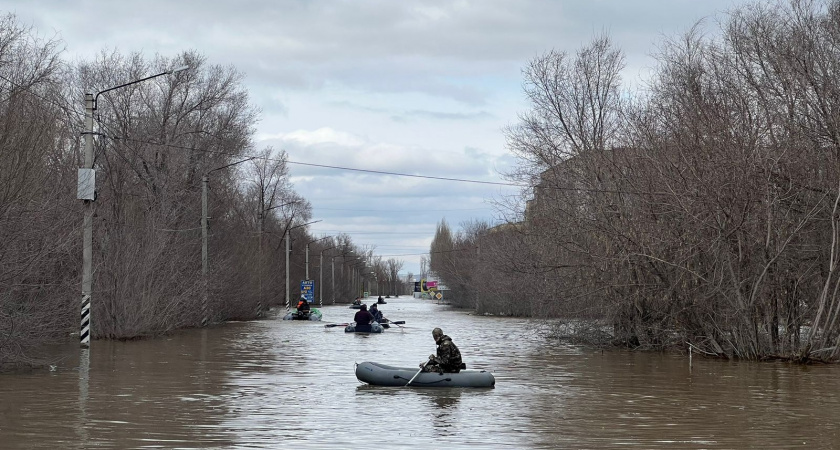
[(330, 325), (422, 366)]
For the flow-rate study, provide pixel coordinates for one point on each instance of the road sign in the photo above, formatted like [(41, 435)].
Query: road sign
[(307, 290)]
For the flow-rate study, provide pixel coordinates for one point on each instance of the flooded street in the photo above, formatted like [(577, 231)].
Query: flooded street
[(275, 383)]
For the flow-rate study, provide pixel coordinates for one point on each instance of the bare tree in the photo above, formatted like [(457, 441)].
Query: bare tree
[(36, 216)]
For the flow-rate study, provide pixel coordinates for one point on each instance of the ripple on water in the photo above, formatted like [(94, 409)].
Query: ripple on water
[(275, 383)]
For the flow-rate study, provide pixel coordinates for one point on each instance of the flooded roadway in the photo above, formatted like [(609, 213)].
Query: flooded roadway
[(278, 384)]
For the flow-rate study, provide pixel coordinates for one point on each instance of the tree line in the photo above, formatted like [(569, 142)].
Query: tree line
[(699, 211), (154, 142)]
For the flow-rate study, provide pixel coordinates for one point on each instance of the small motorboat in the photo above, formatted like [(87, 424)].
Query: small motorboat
[(313, 314), (383, 375), (374, 328)]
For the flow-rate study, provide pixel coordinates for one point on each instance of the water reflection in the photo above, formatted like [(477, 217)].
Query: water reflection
[(444, 405), (276, 383)]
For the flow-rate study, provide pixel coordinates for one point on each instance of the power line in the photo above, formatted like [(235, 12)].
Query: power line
[(402, 246), (371, 232), (398, 174), (393, 210), (428, 177), (408, 175), (434, 253), (352, 169)]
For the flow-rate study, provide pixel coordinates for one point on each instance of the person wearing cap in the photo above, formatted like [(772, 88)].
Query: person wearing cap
[(363, 319), (448, 357)]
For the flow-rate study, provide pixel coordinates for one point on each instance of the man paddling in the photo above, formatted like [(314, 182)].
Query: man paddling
[(377, 314), (448, 358)]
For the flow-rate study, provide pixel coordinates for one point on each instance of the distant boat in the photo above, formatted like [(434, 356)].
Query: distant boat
[(313, 314)]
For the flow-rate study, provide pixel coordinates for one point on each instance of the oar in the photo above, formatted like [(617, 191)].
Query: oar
[(330, 325), (422, 366)]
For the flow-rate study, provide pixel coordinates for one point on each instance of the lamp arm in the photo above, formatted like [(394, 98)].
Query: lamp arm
[(168, 72)]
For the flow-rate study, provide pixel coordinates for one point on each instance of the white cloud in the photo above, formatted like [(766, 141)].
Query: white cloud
[(306, 138)]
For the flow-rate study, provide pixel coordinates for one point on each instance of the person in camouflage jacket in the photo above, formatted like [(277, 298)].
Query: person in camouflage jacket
[(448, 358)]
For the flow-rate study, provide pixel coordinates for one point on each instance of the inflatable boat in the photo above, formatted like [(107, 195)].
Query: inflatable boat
[(374, 328), (384, 375), (313, 314)]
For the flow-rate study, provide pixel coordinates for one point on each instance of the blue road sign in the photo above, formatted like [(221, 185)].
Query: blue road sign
[(307, 290)]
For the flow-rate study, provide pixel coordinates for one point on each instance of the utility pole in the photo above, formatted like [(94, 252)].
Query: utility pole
[(205, 217), (307, 253), (260, 225), (288, 250), (321, 282), (87, 193), (204, 310), (288, 302)]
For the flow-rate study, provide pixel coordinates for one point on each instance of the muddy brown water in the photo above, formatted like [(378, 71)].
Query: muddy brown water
[(290, 384)]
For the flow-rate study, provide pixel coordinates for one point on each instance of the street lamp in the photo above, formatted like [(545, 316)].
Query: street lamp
[(261, 225), (307, 253), (358, 281), (376, 283), (87, 192), (288, 250), (204, 218), (354, 261), (321, 266), (343, 263)]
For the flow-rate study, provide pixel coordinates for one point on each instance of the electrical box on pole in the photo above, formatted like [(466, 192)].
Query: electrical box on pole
[(86, 187)]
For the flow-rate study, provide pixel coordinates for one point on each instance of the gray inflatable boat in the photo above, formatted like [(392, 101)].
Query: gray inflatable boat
[(383, 375), (374, 328)]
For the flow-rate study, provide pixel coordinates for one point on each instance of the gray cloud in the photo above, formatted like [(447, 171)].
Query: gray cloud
[(404, 86)]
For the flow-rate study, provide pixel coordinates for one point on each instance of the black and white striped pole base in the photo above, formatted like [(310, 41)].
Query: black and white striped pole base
[(84, 330)]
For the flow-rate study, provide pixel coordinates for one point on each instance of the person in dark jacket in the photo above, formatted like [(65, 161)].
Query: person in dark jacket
[(303, 305), (376, 313), (448, 357), (363, 319)]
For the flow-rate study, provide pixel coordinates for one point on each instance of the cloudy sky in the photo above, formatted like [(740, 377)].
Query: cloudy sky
[(397, 86)]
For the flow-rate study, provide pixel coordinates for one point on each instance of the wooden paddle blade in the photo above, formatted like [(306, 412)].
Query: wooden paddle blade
[(330, 325)]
